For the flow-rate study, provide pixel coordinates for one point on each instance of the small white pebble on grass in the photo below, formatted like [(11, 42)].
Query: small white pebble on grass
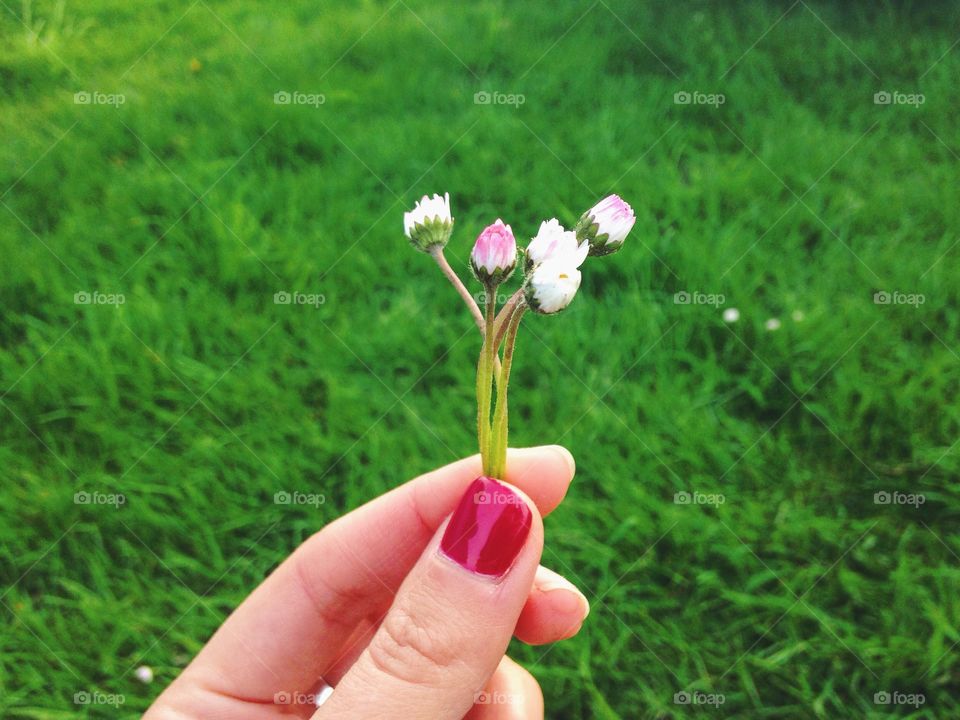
[(797, 315), (731, 315), (772, 324), (144, 674)]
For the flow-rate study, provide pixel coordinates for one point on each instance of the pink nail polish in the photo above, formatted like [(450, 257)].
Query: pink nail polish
[(488, 528)]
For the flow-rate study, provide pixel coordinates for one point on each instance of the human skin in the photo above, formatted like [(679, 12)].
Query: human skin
[(400, 620)]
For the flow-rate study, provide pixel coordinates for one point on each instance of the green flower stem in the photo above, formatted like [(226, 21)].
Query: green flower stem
[(500, 425), (485, 372), (503, 318), (436, 253)]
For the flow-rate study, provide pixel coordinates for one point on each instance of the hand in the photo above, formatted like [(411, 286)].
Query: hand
[(402, 628)]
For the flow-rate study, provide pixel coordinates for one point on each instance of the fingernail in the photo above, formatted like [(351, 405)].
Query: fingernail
[(568, 601), (568, 457), (564, 596), (488, 528)]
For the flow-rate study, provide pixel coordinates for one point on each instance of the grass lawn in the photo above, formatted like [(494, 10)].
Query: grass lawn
[(777, 185)]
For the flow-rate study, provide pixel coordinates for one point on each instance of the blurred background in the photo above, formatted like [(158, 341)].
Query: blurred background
[(760, 388)]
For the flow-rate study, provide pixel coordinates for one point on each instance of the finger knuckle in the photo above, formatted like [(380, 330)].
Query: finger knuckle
[(411, 650), (337, 605)]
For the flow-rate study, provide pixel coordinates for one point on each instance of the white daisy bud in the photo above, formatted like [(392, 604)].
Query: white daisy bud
[(553, 242), (429, 224), (551, 286), (605, 225)]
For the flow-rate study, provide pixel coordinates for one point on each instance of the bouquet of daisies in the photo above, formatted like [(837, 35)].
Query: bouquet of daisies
[(551, 277)]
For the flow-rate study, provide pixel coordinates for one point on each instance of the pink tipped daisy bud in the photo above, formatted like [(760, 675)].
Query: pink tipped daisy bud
[(551, 286), (494, 255), (605, 225), (429, 224), (553, 242)]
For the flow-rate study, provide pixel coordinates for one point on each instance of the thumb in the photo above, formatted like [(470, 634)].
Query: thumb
[(451, 620)]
